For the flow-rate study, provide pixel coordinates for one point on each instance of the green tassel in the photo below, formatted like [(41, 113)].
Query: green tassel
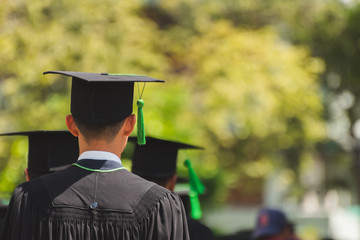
[(195, 184), (141, 140), (195, 210), (196, 188)]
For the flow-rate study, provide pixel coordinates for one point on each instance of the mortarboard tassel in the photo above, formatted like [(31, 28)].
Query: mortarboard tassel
[(196, 188), (141, 140)]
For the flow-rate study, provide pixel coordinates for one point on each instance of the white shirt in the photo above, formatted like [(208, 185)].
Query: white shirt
[(99, 155)]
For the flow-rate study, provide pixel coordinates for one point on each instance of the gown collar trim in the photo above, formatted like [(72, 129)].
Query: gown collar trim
[(99, 161)]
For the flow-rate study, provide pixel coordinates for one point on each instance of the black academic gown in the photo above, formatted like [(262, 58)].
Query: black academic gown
[(3, 210), (81, 204), (199, 231)]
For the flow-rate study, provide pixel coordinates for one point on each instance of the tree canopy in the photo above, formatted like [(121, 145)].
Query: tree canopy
[(235, 83)]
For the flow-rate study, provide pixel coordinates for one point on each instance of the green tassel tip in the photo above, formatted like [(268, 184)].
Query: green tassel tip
[(196, 188), (141, 140), (195, 210)]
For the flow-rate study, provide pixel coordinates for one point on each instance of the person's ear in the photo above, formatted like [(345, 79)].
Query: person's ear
[(70, 123), (27, 174), (172, 182), (129, 124)]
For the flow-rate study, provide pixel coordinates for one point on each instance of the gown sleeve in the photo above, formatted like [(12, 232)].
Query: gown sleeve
[(12, 226), (22, 217)]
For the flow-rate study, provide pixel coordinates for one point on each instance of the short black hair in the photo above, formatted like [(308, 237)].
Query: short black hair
[(91, 130)]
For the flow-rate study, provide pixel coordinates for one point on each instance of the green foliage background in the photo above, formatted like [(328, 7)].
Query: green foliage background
[(243, 79)]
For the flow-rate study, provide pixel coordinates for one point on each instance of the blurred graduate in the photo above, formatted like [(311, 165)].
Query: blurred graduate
[(48, 152), (156, 161)]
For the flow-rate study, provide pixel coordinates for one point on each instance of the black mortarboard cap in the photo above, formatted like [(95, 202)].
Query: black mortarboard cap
[(49, 151), (102, 97), (157, 158)]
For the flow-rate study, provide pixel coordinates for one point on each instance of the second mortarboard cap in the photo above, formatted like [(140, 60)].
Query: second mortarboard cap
[(157, 158), (49, 151), (105, 97)]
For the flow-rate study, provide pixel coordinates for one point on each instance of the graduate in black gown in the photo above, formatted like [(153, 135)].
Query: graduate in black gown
[(156, 161), (96, 197), (48, 151)]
